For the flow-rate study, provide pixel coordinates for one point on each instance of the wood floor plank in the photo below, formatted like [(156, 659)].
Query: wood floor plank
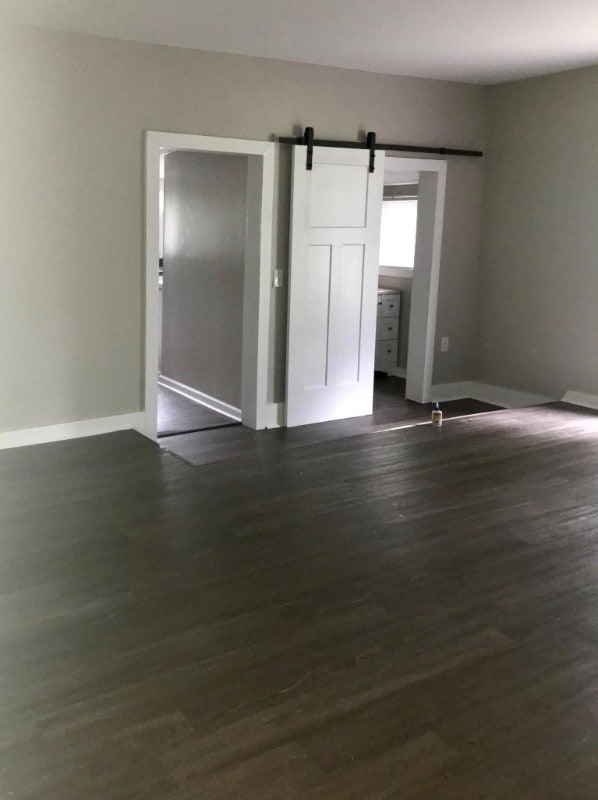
[(390, 410), (394, 614)]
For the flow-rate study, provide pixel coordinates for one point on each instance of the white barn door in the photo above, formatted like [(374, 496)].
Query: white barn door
[(333, 276)]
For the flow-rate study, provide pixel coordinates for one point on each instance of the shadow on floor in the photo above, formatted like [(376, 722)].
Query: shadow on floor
[(390, 410)]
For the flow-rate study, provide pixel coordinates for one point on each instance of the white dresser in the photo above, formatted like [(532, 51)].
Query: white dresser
[(387, 330)]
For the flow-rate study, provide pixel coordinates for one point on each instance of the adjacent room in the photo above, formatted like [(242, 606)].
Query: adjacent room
[(299, 409), (203, 222)]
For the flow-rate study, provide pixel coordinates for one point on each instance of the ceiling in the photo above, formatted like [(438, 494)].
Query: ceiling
[(478, 41)]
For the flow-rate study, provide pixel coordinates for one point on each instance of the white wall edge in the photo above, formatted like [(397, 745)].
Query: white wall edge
[(275, 415), (71, 430), (581, 399), (426, 274), (486, 393), (200, 397)]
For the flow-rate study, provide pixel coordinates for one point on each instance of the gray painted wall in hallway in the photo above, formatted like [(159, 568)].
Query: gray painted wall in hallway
[(205, 223)]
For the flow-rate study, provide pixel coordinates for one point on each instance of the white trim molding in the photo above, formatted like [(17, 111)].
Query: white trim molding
[(71, 430), (275, 416), (581, 399), (486, 393), (508, 398), (258, 266), (200, 397), (426, 272), (443, 392), (395, 272)]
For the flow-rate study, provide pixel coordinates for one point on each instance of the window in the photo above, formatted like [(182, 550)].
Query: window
[(397, 233)]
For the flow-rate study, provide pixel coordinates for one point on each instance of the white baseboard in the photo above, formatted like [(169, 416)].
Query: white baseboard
[(71, 430), (486, 393), (200, 397), (581, 399), (443, 392), (508, 398)]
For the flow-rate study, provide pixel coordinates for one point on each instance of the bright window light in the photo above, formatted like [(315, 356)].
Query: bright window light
[(397, 233)]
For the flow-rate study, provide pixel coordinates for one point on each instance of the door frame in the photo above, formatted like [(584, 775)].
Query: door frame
[(426, 270), (258, 267)]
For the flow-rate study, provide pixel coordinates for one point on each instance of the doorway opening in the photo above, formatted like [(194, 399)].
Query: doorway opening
[(410, 241), (335, 275), (209, 243), (203, 232), (398, 233)]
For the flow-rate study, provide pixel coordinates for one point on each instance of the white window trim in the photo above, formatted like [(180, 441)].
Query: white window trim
[(395, 272), (424, 288)]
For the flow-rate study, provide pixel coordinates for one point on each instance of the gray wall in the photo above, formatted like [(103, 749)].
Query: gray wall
[(538, 288), (205, 224), (74, 109)]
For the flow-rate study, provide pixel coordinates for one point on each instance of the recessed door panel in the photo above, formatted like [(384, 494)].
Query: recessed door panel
[(317, 327), (349, 329), (338, 196)]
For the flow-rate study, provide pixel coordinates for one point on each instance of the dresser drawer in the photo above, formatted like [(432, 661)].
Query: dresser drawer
[(389, 305), (387, 328), (386, 352)]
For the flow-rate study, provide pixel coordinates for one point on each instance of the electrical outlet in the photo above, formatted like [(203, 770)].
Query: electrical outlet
[(444, 344)]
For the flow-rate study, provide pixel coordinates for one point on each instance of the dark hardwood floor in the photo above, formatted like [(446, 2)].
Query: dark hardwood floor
[(403, 614), (178, 414), (390, 410)]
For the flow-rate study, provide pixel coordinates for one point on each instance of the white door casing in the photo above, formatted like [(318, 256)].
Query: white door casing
[(255, 411), (431, 177), (333, 276), (424, 293)]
